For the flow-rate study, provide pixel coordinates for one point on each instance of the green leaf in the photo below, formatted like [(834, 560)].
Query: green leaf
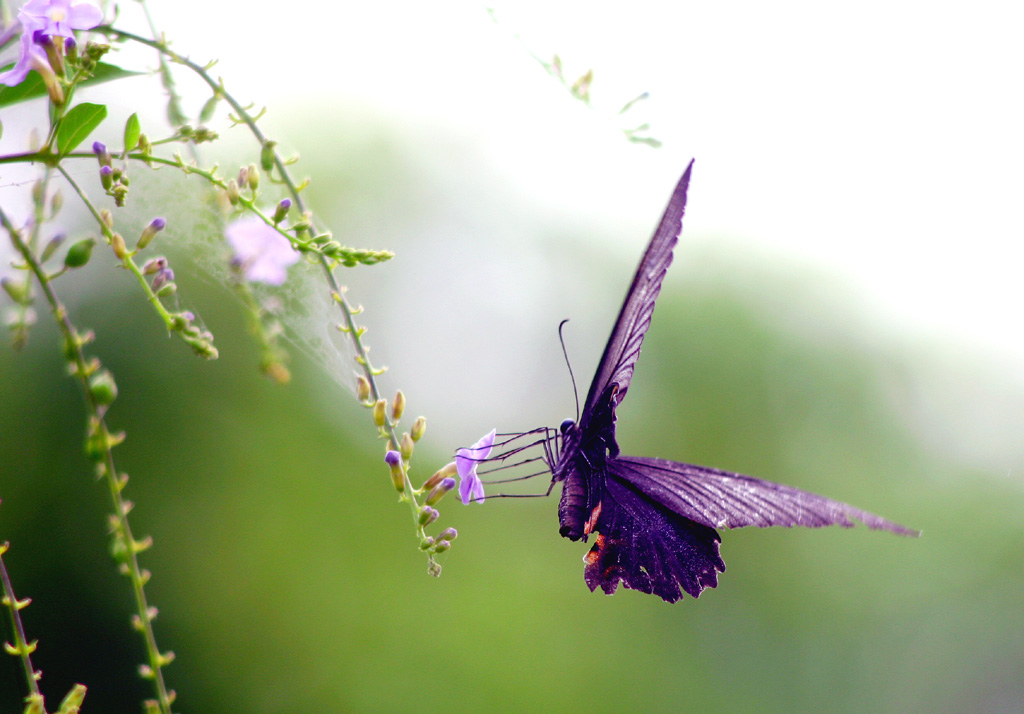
[(33, 87), (132, 131), (78, 124)]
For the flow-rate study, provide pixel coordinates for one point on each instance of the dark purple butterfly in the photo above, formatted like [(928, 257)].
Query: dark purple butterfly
[(654, 519)]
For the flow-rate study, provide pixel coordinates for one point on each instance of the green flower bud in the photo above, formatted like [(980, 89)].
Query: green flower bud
[(253, 178), (51, 247), (441, 546), (428, 515), (103, 388), (281, 212), (16, 289), (118, 246), (232, 191), (406, 446), (418, 428), (107, 217), (398, 406), (73, 701), (380, 412), (362, 389), (427, 543), (438, 491), (56, 203), (79, 254), (267, 155), (150, 231), (448, 534), (154, 265)]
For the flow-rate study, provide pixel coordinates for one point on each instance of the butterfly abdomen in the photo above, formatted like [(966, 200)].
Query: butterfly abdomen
[(572, 507)]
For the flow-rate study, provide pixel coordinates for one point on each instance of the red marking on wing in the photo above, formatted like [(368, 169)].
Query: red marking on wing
[(591, 523), (594, 554)]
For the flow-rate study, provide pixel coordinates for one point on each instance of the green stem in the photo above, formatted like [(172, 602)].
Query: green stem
[(348, 313), (98, 426), (21, 643)]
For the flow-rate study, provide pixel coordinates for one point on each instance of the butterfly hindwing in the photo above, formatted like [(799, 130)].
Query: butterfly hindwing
[(647, 547), (721, 499)]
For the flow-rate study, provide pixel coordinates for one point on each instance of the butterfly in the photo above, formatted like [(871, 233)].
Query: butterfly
[(655, 521)]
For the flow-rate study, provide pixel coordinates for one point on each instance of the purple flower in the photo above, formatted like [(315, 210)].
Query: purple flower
[(466, 461), (39, 18), (60, 17), (263, 254)]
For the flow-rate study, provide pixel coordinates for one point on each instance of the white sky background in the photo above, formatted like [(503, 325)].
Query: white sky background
[(881, 140)]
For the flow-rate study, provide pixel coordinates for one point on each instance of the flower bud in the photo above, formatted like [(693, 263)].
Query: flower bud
[(106, 177), (448, 534), (16, 289), (253, 178), (107, 217), (72, 703), (438, 491), (103, 388), (394, 460), (100, 149), (79, 254), (144, 144), (441, 546), (281, 212), (406, 446), (163, 276), (150, 231), (444, 472), (380, 413), (398, 406), (428, 515), (243, 176), (427, 543), (54, 53), (71, 48), (154, 265), (267, 155), (418, 428), (232, 191), (118, 246), (56, 203), (51, 246), (362, 388)]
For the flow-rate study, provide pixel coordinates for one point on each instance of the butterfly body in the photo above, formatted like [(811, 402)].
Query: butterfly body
[(654, 521)]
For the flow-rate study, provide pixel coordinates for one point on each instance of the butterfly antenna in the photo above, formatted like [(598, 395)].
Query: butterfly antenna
[(565, 353)]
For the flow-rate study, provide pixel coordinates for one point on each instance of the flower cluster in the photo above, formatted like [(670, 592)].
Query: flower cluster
[(41, 22)]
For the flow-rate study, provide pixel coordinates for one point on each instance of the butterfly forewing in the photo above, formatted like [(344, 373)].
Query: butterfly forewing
[(623, 348)]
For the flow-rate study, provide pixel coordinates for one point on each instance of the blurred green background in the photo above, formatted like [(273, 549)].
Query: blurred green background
[(287, 576)]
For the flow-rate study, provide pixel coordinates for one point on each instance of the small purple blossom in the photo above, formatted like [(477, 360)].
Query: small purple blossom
[(60, 17), (392, 458), (466, 461), (40, 19), (262, 253)]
